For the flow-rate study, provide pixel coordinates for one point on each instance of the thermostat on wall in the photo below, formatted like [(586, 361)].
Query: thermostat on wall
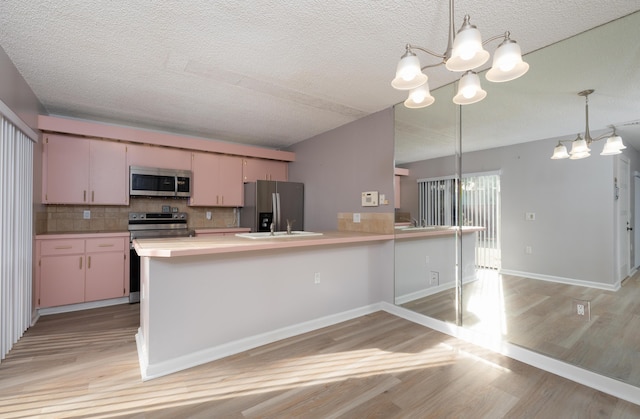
[(370, 199)]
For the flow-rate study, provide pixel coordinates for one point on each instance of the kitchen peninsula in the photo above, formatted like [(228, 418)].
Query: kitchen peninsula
[(204, 298)]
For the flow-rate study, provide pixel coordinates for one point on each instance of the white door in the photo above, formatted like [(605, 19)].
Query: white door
[(623, 224)]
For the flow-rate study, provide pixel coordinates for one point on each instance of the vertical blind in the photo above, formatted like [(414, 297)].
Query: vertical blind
[(479, 196), (16, 233)]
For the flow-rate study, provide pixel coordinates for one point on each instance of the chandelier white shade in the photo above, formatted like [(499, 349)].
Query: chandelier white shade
[(465, 52), (507, 63), (613, 146), (408, 73), (560, 152), (469, 89), (581, 147), (419, 97)]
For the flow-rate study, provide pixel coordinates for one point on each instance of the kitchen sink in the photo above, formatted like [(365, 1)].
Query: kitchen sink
[(416, 228), (277, 234)]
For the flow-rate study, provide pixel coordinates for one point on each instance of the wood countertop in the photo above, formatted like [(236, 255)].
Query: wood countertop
[(205, 245)]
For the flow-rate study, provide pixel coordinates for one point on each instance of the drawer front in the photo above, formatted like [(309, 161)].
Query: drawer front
[(61, 247), (108, 244)]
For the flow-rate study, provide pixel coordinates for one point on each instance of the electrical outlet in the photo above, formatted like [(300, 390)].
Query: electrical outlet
[(581, 308), (528, 250), (208, 214), (86, 214), (316, 278), (356, 217), (435, 278)]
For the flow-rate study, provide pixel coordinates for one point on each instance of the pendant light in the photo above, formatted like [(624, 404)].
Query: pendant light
[(580, 147), (465, 52)]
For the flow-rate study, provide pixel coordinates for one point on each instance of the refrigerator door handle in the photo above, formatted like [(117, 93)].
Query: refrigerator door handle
[(274, 210), (278, 212)]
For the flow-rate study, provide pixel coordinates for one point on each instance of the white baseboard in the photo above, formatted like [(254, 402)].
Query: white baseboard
[(425, 292), (562, 280), (579, 375), (160, 369), (82, 306)]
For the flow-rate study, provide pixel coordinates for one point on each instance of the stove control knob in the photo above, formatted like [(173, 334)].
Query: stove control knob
[(182, 216), (134, 216)]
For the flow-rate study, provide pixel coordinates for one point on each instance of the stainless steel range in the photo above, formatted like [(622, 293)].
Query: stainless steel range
[(151, 225)]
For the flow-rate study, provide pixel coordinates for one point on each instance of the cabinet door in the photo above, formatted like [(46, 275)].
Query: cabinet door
[(160, 157), (217, 180), (230, 181), (66, 170), (109, 174), (262, 169), (61, 280), (105, 276), (205, 168)]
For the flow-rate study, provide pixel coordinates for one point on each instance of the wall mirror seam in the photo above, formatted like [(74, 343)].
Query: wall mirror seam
[(549, 249)]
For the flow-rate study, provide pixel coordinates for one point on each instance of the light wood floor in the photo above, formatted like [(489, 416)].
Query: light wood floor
[(539, 315), (84, 364)]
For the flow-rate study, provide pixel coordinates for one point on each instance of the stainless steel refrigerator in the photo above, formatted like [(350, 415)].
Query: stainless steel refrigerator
[(268, 201)]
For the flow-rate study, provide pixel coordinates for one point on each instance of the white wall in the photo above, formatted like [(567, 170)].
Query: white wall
[(572, 236), (196, 308)]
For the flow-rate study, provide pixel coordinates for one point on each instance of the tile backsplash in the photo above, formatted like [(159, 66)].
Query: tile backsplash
[(370, 222), (69, 218)]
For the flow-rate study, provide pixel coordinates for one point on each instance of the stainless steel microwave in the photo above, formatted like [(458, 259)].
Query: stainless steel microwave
[(149, 181)]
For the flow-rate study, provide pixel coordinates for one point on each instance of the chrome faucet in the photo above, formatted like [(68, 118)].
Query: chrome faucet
[(272, 229), (416, 223), (289, 225)]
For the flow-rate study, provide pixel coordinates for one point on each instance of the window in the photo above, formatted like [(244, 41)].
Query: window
[(479, 206)]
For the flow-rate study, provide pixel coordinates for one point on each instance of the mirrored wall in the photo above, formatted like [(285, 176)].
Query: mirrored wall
[(542, 239)]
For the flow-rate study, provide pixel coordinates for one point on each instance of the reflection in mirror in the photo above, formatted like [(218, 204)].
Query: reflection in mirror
[(561, 241), (424, 254)]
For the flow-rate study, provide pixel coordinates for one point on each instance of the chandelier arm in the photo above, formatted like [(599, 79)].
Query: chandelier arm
[(505, 35), (423, 49), (603, 136), (432, 65)]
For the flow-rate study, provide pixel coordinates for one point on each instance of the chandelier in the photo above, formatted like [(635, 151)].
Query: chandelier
[(464, 53), (580, 146)]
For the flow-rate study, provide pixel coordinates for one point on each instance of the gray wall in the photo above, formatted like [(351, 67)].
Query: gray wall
[(338, 165), (18, 96), (572, 236)]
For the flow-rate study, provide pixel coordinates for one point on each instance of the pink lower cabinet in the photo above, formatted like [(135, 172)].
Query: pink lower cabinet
[(105, 269), (61, 280), (77, 270)]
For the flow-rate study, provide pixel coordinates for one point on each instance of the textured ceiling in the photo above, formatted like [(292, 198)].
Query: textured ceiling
[(269, 73)]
